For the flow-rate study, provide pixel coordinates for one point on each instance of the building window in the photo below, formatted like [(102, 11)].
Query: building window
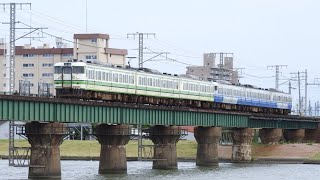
[(47, 74), (4, 75), (67, 55), (47, 65), (4, 84), (28, 55), (28, 65), (28, 75), (91, 57), (47, 55), (93, 40)]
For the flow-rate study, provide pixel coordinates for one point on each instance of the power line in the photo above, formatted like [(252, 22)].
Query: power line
[(265, 77), (171, 59)]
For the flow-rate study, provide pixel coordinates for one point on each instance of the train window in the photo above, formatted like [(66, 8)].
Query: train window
[(99, 75), (103, 76), (107, 77), (58, 69), (153, 82), (120, 78), (125, 77), (78, 70), (115, 77), (66, 70), (149, 82)]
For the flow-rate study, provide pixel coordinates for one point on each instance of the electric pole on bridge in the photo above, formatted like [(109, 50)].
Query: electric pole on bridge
[(12, 52), (141, 38), (277, 67)]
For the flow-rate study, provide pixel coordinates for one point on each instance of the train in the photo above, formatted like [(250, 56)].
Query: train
[(110, 83)]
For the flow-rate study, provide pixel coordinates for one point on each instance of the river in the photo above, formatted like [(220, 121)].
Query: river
[(88, 170)]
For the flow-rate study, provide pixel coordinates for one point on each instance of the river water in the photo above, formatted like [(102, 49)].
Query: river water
[(88, 170)]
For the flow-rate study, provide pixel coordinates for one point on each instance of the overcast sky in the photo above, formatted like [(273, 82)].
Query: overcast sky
[(258, 32)]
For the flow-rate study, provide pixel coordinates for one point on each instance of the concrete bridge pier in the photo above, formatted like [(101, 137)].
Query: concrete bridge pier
[(113, 138), (208, 140), (45, 139), (270, 135), (312, 135), (294, 135), (165, 152), (241, 148)]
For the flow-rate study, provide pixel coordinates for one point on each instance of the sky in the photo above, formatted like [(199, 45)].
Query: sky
[(259, 33)]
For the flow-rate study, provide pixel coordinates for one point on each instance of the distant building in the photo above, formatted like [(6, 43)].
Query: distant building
[(35, 65), (211, 71)]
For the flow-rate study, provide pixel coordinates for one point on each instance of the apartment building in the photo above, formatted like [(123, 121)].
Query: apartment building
[(34, 65), (212, 71)]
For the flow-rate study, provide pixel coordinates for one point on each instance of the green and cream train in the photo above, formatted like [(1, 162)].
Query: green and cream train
[(89, 81)]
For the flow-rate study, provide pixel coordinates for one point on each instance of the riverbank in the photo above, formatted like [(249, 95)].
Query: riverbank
[(186, 151)]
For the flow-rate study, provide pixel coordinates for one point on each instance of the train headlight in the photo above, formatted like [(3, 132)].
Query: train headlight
[(75, 77)]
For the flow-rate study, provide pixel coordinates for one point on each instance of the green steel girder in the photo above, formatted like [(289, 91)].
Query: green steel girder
[(57, 110)]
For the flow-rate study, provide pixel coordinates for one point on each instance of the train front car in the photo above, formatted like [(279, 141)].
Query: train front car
[(69, 79)]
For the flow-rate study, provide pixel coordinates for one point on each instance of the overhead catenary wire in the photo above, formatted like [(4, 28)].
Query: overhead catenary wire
[(171, 59), (266, 77)]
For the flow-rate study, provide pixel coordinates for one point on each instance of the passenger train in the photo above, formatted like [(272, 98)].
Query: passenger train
[(90, 81)]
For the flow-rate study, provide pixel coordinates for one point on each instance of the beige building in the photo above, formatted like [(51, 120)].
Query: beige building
[(35, 65), (212, 71)]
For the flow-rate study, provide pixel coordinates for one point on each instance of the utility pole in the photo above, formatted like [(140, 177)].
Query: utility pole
[(303, 102), (221, 66), (310, 108), (299, 89), (12, 49), (277, 67), (141, 38), (305, 92), (290, 87), (12, 52)]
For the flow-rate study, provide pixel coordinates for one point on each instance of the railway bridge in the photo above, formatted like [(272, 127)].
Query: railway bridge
[(45, 130)]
